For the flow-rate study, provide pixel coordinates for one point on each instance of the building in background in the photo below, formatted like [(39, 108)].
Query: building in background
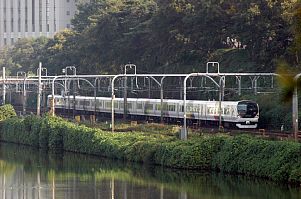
[(34, 18)]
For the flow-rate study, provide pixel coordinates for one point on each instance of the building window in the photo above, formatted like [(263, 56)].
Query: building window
[(19, 25), (33, 12), (26, 25), (68, 12), (5, 30), (40, 15), (12, 25), (68, 26)]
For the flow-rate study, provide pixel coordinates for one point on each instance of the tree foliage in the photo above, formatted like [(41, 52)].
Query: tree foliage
[(166, 36)]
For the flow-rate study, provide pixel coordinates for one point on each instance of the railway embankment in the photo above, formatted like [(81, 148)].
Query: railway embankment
[(243, 154)]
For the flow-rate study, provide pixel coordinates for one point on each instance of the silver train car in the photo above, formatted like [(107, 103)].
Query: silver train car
[(242, 114)]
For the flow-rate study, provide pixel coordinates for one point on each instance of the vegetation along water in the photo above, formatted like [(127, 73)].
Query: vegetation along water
[(276, 160), (30, 174)]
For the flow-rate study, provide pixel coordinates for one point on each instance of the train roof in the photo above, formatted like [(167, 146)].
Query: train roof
[(176, 101)]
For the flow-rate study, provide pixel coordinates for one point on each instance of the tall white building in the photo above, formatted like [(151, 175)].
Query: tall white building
[(34, 18)]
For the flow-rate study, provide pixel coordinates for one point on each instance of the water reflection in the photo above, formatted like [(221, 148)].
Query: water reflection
[(31, 174)]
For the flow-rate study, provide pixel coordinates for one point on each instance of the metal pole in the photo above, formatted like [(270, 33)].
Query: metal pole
[(185, 109), (95, 101), (161, 97), (125, 88), (4, 87), (185, 93), (24, 96), (112, 103), (238, 78), (149, 88), (74, 94), (180, 84), (255, 85), (295, 113), (125, 98), (223, 85), (220, 103), (212, 64), (39, 90), (52, 98), (295, 108)]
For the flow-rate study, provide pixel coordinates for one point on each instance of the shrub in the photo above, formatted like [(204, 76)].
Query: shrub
[(252, 156), (7, 111), (242, 154)]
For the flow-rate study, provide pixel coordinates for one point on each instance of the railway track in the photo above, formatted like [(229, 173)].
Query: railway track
[(266, 133)]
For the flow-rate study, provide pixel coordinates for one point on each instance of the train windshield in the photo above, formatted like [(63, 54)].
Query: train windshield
[(247, 109)]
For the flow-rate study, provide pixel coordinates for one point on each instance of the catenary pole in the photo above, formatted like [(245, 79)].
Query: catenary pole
[(39, 90)]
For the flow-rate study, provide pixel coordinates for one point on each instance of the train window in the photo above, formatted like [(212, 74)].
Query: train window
[(158, 107), (247, 109), (148, 106), (226, 111), (210, 110), (191, 108), (129, 105), (242, 107), (98, 103), (181, 108), (171, 107), (139, 105), (115, 104), (82, 103), (121, 105), (195, 109), (87, 103), (108, 105)]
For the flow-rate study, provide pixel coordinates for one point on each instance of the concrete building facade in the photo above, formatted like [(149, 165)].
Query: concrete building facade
[(34, 18)]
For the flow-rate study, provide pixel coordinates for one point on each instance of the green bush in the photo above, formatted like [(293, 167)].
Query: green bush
[(250, 156), (7, 111), (12, 129), (243, 154)]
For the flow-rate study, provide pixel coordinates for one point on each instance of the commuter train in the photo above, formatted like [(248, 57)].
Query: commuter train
[(242, 114)]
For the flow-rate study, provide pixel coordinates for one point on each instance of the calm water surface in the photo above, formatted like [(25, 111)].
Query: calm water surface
[(27, 173)]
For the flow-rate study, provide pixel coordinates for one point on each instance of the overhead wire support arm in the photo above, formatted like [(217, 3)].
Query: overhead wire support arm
[(295, 116), (185, 95)]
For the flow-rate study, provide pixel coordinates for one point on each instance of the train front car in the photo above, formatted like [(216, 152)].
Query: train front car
[(247, 114)]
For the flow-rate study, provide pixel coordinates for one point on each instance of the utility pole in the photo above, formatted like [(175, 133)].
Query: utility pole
[(295, 113), (125, 107), (161, 100), (295, 108), (74, 94), (125, 101), (39, 90), (4, 87)]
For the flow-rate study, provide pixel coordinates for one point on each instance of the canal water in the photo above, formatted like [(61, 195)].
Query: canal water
[(27, 173)]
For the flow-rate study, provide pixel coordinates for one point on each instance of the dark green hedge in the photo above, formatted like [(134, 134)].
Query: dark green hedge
[(7, 111), (247, 155)]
